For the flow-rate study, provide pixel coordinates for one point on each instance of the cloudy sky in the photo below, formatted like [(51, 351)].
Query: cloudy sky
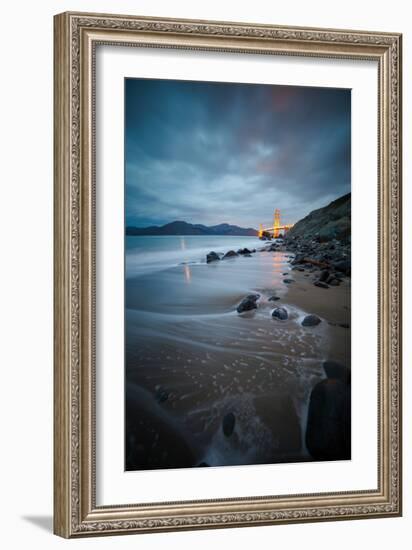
[(213, 152)]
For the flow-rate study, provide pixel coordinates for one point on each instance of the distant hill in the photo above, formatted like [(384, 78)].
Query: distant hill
[(184, 228), (330, 222)]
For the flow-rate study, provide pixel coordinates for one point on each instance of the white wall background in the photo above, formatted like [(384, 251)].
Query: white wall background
[(26, 271)]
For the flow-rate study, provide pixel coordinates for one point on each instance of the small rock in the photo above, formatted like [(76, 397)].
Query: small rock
[(230, 254), (288, 281), (280, 313), (324, 275), (273, 298), (228, 424), (320, 284), (248, 303), (311, 321), (212, 257), (244, 251)]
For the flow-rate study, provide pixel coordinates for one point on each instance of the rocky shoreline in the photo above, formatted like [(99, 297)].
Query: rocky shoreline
[(326, 264)]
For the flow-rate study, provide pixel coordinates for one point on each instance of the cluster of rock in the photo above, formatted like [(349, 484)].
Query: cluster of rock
[(215, 256), (321, 243), (329, 261), (250, 302)]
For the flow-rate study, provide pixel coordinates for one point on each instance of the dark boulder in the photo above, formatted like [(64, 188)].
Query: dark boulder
[(324, 275), (274, 298), (344, 266), (228, 424), (311, 321), (248, 303), (280, 313), (230, 254), (288, 281), (244, 251), (212, 257), (328, 428)]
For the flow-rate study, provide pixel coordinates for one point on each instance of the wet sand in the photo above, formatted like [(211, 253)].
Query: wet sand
[(193, 364)]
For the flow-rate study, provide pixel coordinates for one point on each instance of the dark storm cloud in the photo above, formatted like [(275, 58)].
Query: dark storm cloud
[(212, 153)]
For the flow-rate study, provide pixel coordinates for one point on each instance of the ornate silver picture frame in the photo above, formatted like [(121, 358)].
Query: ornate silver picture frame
[(77, 511)]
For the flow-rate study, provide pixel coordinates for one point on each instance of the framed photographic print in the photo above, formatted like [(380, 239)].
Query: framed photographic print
[(227, 274)]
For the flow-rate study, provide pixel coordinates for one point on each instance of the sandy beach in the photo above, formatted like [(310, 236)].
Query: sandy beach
[(209, 386)]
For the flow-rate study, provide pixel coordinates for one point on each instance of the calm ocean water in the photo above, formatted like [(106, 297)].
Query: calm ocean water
[(149, 254)]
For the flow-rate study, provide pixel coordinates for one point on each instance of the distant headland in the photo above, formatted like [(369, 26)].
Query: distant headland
[(184, 228)]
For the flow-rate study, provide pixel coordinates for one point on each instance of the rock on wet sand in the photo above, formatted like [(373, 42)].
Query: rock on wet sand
[(280, 313), (248, 303), (311, 321)]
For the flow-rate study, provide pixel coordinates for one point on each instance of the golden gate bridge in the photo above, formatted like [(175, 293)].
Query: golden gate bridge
[(277, 228)]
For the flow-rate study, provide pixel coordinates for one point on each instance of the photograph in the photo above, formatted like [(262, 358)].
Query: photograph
[(237, 259)]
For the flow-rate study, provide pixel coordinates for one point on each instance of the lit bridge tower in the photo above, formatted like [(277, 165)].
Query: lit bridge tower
[(276, 223)]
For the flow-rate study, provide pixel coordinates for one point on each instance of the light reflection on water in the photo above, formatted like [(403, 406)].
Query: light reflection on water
[(278, 263), (187, 273)]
